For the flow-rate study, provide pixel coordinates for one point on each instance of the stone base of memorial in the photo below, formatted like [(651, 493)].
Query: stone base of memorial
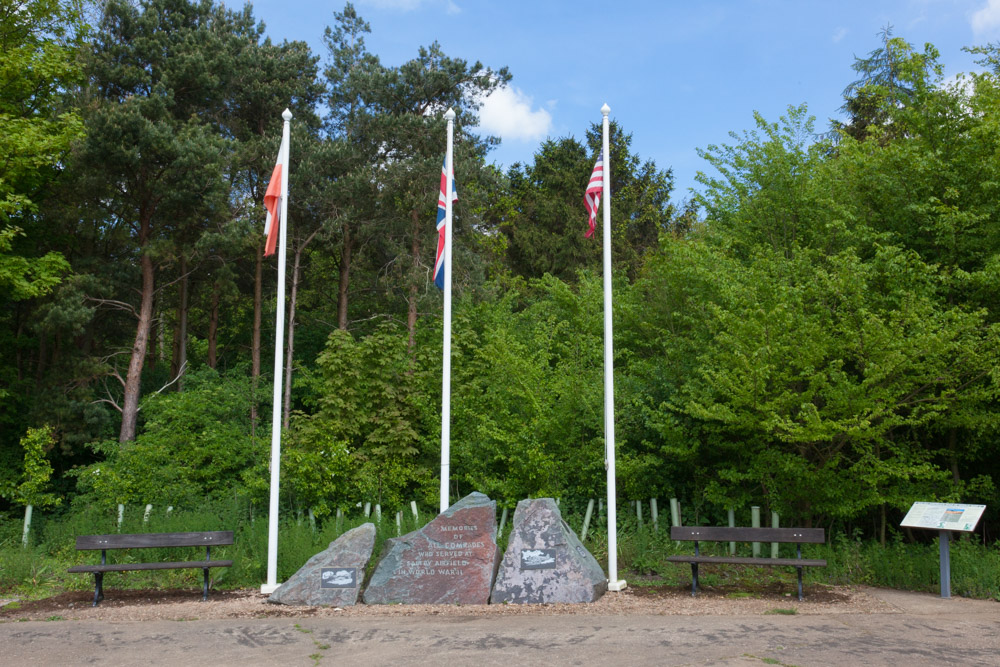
[(545, 562), (331, 577), (451, 560)]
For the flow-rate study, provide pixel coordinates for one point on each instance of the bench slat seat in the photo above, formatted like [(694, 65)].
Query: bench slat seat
[(796, 536), (102, 543), (150, 540), (745, 534), (126, 567), (736, 560)]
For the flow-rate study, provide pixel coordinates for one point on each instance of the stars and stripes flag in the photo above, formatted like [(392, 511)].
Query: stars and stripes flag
[(441, 222), (592, 197), (272, 200)]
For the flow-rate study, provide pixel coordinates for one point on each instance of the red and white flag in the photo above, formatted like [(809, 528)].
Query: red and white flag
[(592, 197), (272, 200)]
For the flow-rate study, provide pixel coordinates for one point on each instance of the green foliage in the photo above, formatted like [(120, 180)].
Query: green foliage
[(39, 40), (544, 220), (194, 444), (892, 76), (23, 277), (365, 424), (527, 392), (37, 471)]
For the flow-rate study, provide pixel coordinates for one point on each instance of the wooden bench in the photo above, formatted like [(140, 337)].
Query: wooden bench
[(696, 534), (150, 540)]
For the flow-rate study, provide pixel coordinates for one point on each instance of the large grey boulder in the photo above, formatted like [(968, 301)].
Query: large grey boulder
[(331, 577), (451, 560), (545, 561)]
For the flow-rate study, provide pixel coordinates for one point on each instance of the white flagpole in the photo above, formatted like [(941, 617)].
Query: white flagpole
[(614, 584), (446, 364), (279, 344)]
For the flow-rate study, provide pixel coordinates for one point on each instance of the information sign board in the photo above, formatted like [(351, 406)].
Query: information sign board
[(943, 516)]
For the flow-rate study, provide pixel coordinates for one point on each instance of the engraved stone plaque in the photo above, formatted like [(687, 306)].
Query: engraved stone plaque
[(338, 577), (538, 559), (544, 561), (451, 560), (331, 577)]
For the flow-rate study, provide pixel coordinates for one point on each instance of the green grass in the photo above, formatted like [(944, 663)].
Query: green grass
[(39, 570)]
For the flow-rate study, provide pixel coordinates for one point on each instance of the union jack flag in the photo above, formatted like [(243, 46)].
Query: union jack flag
[(442, 204), (592, 197)]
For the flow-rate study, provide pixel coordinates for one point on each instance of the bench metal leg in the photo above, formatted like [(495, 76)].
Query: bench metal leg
[(204, 590), (800, 583), (694, 579), (98, 587)]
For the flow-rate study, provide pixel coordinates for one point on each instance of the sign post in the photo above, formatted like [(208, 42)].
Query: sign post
[(946, 518)]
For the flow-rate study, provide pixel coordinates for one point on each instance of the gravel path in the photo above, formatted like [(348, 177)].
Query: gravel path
[(131, 605)]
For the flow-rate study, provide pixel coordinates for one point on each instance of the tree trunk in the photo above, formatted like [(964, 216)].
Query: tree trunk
[(179, 348), (290, 349), (130, 402), (881, 527), (345, 277), (151, 346), (213, 325), (161, 336), (182, 324), (40, 366), (258, 290), (953, 454), (411, 306)]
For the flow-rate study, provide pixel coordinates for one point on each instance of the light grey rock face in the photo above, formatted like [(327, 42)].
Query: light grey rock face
[(451, 560), (332, 577), (545, 561)]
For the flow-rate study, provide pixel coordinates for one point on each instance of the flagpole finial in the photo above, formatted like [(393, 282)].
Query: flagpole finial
[(605, 110), (449, 114), (286, 114)]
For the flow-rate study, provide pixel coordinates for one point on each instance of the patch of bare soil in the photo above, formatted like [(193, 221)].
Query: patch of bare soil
[(181, 605)]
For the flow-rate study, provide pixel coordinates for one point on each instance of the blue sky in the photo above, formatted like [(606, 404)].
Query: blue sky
[(678, 75)]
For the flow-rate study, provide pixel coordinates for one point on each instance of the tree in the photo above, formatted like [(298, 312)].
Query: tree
[(891, 76), (152, 155), (814, 353), (39, 40), (546, 221), (390, 119), (39, 71)]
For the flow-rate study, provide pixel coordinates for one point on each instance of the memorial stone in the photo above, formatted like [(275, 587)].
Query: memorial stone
[(451, 560), (332, 577), (545, 561)]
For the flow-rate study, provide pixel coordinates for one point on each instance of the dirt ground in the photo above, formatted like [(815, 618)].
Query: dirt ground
[(174, 604)]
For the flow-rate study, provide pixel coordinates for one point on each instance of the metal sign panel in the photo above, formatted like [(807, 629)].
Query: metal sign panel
[(943, 516)]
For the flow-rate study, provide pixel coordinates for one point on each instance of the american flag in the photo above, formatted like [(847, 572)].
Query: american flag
[(592, 197), (442, 204)]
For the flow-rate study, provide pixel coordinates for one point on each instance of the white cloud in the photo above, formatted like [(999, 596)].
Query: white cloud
[(410, 5), (840, 34), (507, 113), (986, 21)]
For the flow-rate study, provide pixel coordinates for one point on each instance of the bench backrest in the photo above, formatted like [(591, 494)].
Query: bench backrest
[(140, 540), (745, 534)]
